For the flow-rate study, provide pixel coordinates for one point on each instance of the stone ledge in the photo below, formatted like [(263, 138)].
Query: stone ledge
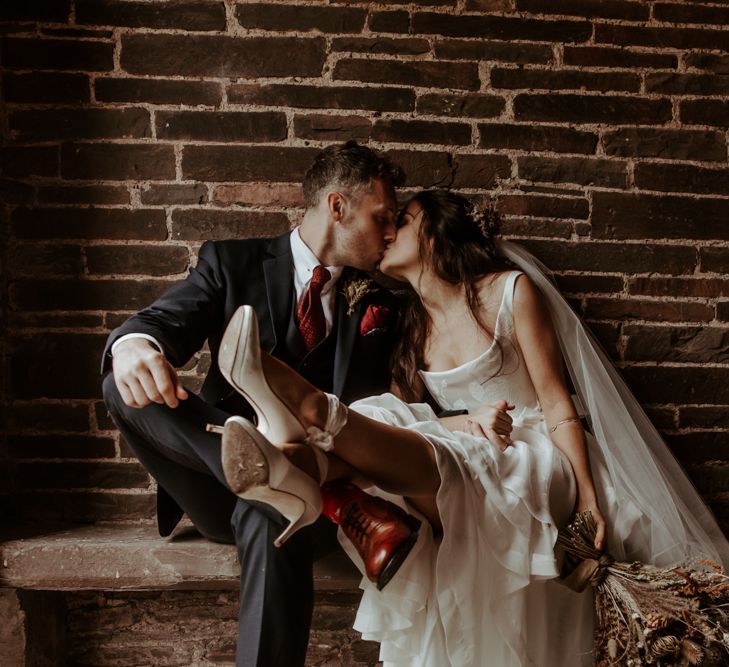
[(123, 557)]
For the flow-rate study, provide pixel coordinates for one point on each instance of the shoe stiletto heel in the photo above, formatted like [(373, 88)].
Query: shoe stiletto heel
[(257, 470), (240, 363)]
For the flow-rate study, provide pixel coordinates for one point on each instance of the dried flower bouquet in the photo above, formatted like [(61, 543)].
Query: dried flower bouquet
[(647, 615)]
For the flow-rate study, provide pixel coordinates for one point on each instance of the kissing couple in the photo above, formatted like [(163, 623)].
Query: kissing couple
[(437, 428)]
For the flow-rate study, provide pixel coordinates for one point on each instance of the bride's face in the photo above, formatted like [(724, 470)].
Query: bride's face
[(402, 256)]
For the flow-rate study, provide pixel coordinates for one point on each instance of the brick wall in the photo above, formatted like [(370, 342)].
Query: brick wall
[(133, 131)]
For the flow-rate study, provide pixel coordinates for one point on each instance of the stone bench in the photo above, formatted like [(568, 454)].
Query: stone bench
[(40, 567)]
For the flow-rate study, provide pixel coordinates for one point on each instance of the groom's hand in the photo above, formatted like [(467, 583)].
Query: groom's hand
[(144, 376)]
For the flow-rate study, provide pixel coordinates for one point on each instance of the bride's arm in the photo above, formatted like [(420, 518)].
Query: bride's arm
[(540, 349)]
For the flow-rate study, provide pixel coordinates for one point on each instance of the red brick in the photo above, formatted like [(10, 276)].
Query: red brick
[(600, 56), (608, 9), (158, 91), (89, 223), (585, 171), (398, 21), (501, 27), (474, 105), (68, 506), (80, 124), (425, 169), (57, 54), (705, 112), (706, 417), (708, 61), (55, 320), (16, 192), (530, 137), (714, 259), (420, 73), (47, 11), (118, 162), (686, 84), (699, 446), (222, 56), (679, 287), (667, 144), (421, 131), (82, 33), (682, 178), (81, 475), (479, 171), (137, 259), (676, 344), (17, 161), (61, 446), (174, 193), (662, 311), (536, 227), (45, 87), (722, 311), (85, 295), (300, 17), (83, 194), (523, 53), (663, 38), (48, 417), (201, 224), (678, 384), (246, 163), (610, 109), (544, 206), (36, 259), (328, 127), (631, 216), (563, 80), (314, 97), (170, 14), (490, 5), (690, 13), (53, 365), (259, 194), (380, 45), (614, 257), (223, 126), (589, 284)]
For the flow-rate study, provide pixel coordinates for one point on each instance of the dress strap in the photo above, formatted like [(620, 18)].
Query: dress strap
[(505, 318)]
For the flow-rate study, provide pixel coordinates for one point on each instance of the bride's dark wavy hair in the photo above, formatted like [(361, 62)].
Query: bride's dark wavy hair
[(457, 239)]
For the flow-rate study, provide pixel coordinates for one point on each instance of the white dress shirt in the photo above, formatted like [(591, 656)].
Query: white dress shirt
[(305, 261)]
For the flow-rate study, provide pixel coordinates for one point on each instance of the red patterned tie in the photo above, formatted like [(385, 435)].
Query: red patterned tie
[(310, 313)]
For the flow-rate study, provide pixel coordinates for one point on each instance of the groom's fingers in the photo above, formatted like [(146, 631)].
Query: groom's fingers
[(165, 381)]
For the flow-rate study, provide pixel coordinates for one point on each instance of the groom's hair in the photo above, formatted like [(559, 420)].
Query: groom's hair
[(349, 167)]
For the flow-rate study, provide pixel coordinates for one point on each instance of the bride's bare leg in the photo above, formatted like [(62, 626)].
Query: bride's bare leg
[(396, 459)]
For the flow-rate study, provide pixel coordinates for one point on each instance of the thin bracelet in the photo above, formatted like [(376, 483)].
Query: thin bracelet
[(564, 421)]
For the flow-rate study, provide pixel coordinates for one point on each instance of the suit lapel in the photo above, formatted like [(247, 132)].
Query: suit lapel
[(279, 286), (347, 326)]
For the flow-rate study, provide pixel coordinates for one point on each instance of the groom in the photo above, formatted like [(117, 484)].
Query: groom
[(349, 219)]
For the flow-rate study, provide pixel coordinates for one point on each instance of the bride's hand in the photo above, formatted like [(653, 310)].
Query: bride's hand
[(599, 521), (491, 421)]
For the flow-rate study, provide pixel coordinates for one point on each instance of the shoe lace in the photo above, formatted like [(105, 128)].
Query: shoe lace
[(356, 524)]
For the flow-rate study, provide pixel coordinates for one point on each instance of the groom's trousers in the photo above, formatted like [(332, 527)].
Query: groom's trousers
[(276, 584)]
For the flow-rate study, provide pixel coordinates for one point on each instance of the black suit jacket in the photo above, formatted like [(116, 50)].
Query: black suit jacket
[(259, 272)]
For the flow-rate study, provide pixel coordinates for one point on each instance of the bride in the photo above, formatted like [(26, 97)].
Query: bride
[(489, 334)]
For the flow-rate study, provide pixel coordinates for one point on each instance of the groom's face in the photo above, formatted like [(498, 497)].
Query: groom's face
[(368, 227)]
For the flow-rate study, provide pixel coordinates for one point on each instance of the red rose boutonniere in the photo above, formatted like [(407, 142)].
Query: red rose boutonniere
[(375, 320)]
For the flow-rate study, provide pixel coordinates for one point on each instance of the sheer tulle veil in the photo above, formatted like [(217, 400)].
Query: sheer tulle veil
[(653, 511)]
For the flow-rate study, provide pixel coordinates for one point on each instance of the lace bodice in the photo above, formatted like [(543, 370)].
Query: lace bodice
[(479, 380)]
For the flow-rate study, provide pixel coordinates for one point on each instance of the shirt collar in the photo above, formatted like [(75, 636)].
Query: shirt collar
[(305, 261)]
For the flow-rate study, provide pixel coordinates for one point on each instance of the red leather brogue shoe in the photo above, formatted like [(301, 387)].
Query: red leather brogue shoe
[(382, 532)]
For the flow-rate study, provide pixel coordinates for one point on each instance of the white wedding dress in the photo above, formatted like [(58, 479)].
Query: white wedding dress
[(483, 594)]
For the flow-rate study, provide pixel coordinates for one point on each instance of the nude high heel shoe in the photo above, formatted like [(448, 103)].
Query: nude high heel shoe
[(240, 363), (239, 360), (257, 470)]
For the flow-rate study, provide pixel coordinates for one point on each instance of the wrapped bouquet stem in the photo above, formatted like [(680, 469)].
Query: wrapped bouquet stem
[(647, 615)]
